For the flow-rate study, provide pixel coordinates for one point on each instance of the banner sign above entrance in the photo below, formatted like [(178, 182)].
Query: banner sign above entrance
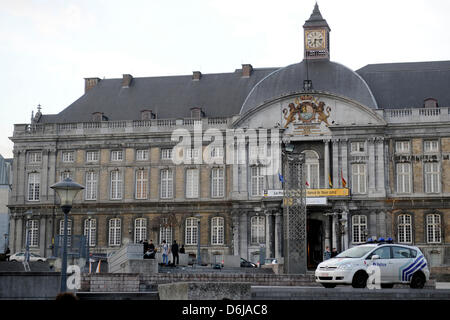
[(312, 193)]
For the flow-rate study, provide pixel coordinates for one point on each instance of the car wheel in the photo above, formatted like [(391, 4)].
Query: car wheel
[(13, 260), (329, 285), (387, 285), (417, 281), (360, 280)]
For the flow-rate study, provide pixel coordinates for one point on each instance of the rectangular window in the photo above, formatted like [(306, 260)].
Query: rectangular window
[(33, 233), (90, 231), (431, 146), (192, 176), (141, 155), (192, 155), (69, 231), (141, 184), (140, 230), (166, 183), (402, 146), (433, 228), (166, 154), (68, 156), (114, 232), (116, 185), (357, 147), (165, 231), (191, 231), (217, 183), (65, 175), (116, 155), (359, 178), (403, 177), (258, 229), (34, 183), (257, 180), (359, 228), (34, 157), (432, 176), (92, 156), (91, 186), (217, 231), (404, 228)]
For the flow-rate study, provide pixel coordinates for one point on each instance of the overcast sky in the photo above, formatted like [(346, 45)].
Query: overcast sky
[(48, 47)]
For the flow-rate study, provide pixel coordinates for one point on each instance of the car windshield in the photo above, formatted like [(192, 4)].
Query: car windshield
[(355, 252)]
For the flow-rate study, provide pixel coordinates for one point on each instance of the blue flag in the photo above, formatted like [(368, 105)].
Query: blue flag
[(280, 177)]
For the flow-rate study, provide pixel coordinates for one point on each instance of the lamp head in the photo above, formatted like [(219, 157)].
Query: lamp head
[(67, 191)]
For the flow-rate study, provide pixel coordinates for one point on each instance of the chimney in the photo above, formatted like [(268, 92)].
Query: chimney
[(247, 70), (89, 83), (126, 80), (197, 113), (196, 75)]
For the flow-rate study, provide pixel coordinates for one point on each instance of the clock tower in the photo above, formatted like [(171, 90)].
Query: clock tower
[(316, 36)]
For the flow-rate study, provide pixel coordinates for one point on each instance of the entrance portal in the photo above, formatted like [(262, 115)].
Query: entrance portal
[(315, 250)]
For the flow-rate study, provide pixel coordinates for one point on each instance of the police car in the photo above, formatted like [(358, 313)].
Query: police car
[(397, 264)]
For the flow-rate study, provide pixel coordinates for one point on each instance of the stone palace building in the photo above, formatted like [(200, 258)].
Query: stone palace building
[(382, 133)]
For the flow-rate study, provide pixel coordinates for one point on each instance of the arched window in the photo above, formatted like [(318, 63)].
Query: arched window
[(140, 230), (311, 169), (115, 232), (433, 228), (217, 231), (69, 231), (359, 226), (258, 229), (191, 231), (90, 229), (404, 228)]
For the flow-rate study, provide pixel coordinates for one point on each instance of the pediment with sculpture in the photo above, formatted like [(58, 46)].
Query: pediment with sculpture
[(306, 109)]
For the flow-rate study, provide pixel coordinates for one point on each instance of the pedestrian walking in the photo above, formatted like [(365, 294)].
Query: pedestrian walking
[(327, 254), (174, 250), (334, 253)]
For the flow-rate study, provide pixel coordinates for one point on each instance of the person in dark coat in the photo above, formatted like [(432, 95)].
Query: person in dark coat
[(182, 249), (334, 253), (174, 250)]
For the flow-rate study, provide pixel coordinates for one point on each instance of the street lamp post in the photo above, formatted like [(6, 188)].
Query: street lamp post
[(29, 215), (67, 191)]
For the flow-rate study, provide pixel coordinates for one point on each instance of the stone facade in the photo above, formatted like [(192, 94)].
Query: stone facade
[(394, 161)]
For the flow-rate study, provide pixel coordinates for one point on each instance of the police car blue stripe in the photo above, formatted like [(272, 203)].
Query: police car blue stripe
[(407, 270), (417, 268), (411, 271)]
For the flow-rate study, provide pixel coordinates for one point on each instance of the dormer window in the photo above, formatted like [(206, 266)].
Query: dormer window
[(98, 116), (197, 113), (430, 103), (147, 115)]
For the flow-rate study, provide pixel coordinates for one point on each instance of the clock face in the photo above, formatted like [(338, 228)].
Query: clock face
[(315, 39)]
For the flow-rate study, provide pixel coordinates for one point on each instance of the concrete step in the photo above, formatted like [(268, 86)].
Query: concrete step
[(14, 266)]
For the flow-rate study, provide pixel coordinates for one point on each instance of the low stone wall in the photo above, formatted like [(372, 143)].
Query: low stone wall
[(440, 274), (29, 285), (134, 282), (205, 291)]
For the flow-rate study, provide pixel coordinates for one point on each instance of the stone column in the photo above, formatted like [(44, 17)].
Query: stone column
[(44, 175), (344, 171), (278, 237), (269, 234), (243, 235), (236, 237), (334, 230), (380, 167), (21, 178), (326, 164), (382, 224), (344, 222), (327, 236), (19, 234), (371, 165), (335, 162), (12, 234), (15, 182), (42, 238)]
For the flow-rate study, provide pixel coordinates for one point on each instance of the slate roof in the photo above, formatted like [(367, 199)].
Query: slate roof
[(219, 95), (326, 76), (406, 85), (316, 19)]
